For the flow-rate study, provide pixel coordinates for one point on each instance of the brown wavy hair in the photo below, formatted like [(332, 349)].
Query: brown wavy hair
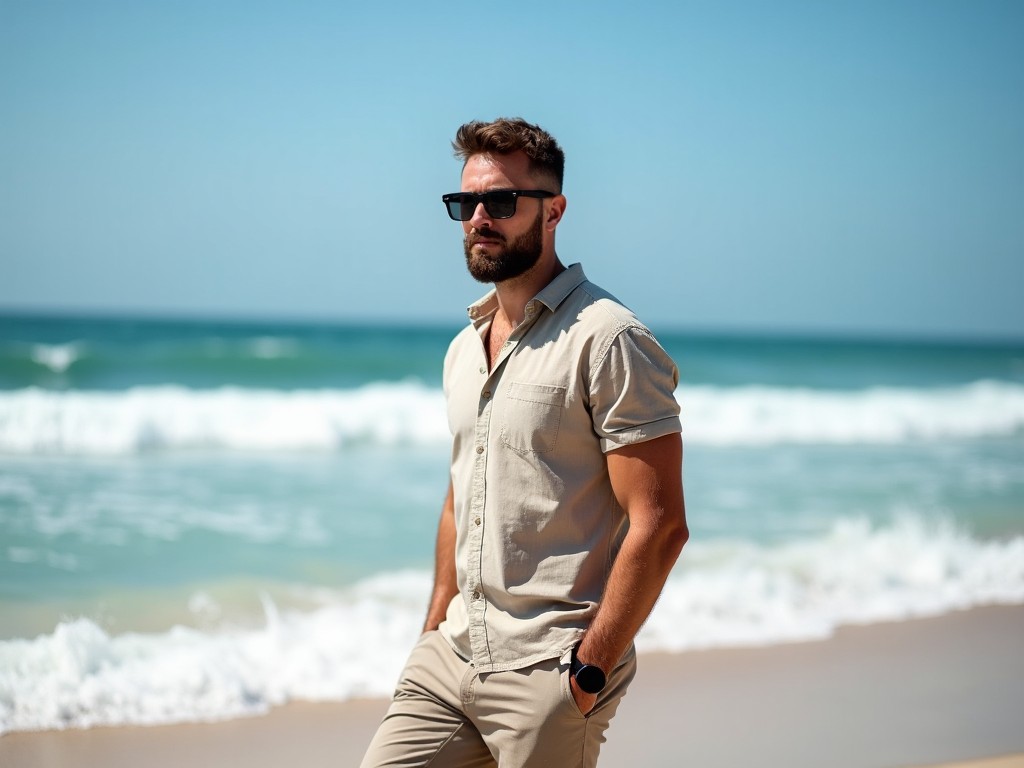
[(512, 134)]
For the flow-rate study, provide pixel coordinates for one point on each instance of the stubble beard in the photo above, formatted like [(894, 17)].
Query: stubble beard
[(514, 258)]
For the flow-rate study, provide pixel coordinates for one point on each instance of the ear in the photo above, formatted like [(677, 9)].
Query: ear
[(555, 212)]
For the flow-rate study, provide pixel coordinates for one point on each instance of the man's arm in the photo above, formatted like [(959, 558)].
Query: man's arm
[(445, 581), (647, 481)]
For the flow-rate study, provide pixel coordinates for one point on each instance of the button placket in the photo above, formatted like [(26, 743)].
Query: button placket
[(476, 602), (475, 595)]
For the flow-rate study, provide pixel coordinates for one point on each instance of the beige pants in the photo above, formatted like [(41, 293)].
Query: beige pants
[(446, 715)]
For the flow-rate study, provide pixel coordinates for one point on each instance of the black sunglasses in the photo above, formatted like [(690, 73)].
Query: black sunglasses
[(499, 204)]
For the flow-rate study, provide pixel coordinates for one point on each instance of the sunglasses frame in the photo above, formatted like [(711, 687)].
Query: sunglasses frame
[(457, 198)]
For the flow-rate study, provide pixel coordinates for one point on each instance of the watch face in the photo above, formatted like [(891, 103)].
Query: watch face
[(590, 679)]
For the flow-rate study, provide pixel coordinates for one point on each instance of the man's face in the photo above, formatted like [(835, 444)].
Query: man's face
[(500, 249)]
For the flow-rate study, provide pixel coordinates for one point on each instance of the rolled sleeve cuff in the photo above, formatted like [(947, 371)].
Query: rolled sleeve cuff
[(640, 433)]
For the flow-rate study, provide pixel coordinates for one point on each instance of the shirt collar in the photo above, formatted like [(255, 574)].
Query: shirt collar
[(551, 295), (558, 290)]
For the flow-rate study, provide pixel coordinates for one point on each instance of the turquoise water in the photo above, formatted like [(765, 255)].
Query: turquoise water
[(183, 505), (117, 354)]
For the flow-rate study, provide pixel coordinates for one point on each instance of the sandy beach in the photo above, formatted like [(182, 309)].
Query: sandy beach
[(941, 691)]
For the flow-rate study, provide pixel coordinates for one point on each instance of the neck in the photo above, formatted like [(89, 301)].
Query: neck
[(513, 295)]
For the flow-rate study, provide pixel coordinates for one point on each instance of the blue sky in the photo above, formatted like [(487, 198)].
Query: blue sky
[(816, 167)]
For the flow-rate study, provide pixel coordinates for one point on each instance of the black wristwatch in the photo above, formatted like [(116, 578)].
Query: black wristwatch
[(589, 678)]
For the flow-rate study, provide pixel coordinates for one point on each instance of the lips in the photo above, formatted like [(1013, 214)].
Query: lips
[(485, 237)]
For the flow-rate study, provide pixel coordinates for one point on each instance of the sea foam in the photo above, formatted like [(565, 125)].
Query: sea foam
[(757, 415), (145, 419), (721, 594), (36, 421)]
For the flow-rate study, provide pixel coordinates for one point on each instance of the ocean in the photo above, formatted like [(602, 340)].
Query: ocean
[(202, 520)]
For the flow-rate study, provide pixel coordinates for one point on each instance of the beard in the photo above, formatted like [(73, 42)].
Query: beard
[(515, 257)]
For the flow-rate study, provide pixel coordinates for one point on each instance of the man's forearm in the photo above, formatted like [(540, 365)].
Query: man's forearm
[(637, 578), (445, 580), (647, 481)]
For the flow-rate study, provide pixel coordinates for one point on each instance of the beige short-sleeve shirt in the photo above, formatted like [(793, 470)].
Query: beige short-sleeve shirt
[(538, 526)]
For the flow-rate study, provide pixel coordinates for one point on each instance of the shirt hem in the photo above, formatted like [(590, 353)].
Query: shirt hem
[(508, 666)]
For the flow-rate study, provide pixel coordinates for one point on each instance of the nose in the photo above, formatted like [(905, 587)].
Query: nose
[(480, 217)]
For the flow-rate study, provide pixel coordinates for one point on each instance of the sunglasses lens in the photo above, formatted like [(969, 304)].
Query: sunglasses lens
[(455, 207), (501, 205)]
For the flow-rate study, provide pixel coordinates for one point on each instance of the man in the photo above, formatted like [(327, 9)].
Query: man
[(564, 512)]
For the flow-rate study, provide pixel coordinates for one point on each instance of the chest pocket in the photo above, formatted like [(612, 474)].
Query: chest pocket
[(533, 414)]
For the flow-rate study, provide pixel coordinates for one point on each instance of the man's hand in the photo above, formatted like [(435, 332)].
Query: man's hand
[(585, 701)]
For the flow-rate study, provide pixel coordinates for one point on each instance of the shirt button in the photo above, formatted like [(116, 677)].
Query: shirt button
[(482, 369), (476, 595), (477, 521), (479, 449), (487, 394)]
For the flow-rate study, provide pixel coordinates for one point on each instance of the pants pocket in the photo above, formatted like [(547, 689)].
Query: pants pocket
[(566, 690)]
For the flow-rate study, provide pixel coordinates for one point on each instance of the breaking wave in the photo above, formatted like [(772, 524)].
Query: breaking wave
[(721, 594), (170, 418)]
